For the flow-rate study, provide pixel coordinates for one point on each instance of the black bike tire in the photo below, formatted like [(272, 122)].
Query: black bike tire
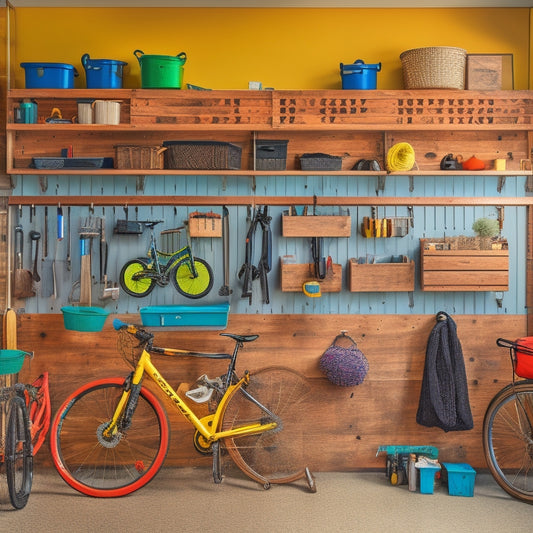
[(505, 436), (18, 453), (82, 461), (123, 284), (276, 456), (182, 290)]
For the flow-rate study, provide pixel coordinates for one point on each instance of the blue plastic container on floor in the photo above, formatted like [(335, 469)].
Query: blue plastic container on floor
[(360, 75), (49, 75), (103, 73), (461, 478), (427, 478)]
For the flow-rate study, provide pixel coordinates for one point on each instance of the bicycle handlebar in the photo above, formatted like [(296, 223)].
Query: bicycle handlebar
[(139, 333)]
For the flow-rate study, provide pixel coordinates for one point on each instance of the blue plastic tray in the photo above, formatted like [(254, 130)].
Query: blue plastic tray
[(205, 316)]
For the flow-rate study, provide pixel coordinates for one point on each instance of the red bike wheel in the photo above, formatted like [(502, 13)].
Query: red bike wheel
[(108, 467)]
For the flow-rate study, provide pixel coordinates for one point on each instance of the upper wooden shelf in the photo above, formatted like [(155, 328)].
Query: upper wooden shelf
[(152, 109)]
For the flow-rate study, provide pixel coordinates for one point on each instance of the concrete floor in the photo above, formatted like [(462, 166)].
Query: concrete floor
[(186, 500)]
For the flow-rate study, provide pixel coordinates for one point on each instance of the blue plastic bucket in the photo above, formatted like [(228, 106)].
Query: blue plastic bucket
[(359, 75), (49, 75), (103, 73)]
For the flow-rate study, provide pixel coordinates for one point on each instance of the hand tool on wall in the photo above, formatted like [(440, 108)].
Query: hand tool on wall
[(248, 271), (60, 236), (89, 230), (35, 236), (107, 292), (265, 262), (317, 245), (22, 278), (69, 243), (225, 290)]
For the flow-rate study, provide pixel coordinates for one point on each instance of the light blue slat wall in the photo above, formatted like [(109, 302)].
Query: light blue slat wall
[(428, 222)]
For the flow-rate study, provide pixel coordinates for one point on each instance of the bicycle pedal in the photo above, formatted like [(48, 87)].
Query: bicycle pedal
[(200, 395)]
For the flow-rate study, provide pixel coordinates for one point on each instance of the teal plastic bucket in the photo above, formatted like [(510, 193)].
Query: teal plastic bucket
[(161, 72), (103, 73), (84, 318), (11, 361)]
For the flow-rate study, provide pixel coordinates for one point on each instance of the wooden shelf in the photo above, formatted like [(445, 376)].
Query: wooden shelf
[(269, 200)]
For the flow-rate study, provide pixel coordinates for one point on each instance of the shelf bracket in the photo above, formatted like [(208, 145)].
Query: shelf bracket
[(43, 183), (529, 184), (139, 186), (411, 183), (501, 183), (381, 183)]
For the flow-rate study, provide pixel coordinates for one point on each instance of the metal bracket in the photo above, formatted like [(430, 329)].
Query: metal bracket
[(411, 183), (139, 186), (501, 183), (43, 183), (381, 183)]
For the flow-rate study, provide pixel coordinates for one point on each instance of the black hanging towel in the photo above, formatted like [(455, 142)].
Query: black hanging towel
[(444, 396)]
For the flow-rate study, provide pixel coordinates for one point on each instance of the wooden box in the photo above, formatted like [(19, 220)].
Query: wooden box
[(464, 270), (381, 277), (316, 226), (293, 276), (205, 227), (486, 72)]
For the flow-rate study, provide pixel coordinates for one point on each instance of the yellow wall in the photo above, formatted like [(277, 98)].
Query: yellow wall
[(282, 48)]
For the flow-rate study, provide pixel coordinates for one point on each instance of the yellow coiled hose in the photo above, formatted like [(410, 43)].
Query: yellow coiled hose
[(400, 156)]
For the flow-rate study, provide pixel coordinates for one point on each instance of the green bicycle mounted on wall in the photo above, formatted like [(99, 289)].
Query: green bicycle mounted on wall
[(191, 276)]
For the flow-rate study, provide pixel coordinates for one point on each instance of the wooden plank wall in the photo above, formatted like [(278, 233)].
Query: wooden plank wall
[(346, 425)]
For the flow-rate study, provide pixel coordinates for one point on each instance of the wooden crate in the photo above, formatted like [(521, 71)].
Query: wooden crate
[(293, 276), (464, 270), (316, 226), (205, 227), (381, 277)]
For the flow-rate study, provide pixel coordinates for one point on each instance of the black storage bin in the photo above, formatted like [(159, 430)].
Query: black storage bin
[(271, 155)]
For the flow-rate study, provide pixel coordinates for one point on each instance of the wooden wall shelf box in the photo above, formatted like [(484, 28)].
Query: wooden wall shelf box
[(381, 277), (293, 276), (464, 270), (316, 226)]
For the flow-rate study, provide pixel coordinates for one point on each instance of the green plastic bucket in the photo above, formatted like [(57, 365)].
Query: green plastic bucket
[(84, 318), (161, 72), (11, 361)]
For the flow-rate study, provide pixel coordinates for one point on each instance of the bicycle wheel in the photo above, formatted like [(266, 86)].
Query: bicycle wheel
[(508, 439), (102, 467), (276, 456), (135, 287), (18, 453), (190, 286)]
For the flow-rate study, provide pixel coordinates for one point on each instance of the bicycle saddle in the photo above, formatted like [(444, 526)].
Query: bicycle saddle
[(240, 338)]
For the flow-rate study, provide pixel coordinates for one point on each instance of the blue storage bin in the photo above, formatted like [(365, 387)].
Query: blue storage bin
[(49, 75), (359, 75), (427, 477), (103, 73), (461, 479), (205, 316)]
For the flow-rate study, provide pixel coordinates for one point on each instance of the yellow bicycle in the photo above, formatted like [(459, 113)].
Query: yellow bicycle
[(110, 437)]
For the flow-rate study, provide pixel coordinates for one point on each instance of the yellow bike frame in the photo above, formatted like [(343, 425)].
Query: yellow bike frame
[(208, 426)]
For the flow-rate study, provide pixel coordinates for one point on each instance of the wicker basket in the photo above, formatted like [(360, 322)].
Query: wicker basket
[(132, 156), (202, 155), (435, 67), (319, 161)]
